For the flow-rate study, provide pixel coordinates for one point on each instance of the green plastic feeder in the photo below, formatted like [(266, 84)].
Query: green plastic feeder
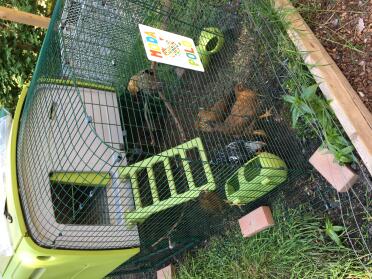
[(257, 177), (211, 41)]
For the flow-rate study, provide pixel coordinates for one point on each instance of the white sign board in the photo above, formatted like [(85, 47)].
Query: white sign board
[(169, 48)]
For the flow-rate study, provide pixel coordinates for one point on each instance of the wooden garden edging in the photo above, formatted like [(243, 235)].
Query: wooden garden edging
[(23, 17), (349, 109)]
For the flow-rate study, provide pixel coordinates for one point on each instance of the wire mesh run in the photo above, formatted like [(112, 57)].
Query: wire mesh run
[(116, 153)]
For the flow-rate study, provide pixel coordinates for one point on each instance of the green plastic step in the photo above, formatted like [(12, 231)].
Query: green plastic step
[(142, 212)]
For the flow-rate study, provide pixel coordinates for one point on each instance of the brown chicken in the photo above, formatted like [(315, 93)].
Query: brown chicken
[(216, 113), (242, 112), (244, 107), (144, 80), (239, 121), (211, 203)]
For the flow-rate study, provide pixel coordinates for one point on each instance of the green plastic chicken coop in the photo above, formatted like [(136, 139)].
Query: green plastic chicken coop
[(108, 160)]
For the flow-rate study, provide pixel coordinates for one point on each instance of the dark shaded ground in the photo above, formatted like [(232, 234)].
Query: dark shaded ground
[(344, 27)]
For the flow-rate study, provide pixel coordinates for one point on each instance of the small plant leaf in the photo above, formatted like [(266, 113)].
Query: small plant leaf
[(309, 92), (328, 224), (344, 159), (338, 228), (289, 98), (331, 230), (306, 108), (295, 117), (347, 150), (333, 235)]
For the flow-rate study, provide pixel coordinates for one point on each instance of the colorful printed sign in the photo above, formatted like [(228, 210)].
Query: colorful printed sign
[(169, 48)]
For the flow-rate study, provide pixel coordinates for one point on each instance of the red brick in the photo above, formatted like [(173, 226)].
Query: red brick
[(256, 221), (340, 177), (167, 272)]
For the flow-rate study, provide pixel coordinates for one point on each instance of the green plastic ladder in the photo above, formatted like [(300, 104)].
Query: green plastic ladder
[(141, 212)]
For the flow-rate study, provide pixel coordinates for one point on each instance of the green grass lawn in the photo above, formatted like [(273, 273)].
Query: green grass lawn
[(296, 247)]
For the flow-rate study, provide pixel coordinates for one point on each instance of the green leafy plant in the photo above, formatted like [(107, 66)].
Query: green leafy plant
[(311, 113), (332, 231), (315, 111)]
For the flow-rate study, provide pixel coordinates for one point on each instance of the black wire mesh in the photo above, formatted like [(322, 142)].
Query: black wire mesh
[(101, 167)]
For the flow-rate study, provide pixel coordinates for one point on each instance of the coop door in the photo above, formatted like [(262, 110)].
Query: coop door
[(80, 198)]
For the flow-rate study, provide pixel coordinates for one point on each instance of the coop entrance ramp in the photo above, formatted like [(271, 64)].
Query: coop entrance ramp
[(157, 188)]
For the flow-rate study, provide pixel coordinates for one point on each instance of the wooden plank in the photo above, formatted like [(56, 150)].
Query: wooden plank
[(23, 17), (349, 109)]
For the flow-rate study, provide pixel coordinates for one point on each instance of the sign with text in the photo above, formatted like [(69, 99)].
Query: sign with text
[(169, 48)]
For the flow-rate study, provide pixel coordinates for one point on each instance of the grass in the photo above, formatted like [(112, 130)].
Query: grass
[(296, 247)]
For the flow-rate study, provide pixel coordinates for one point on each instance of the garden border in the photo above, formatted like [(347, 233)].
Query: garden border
[(353, 115)]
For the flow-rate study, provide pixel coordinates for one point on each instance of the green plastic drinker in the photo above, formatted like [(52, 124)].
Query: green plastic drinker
[(211, 41), (255, 178)]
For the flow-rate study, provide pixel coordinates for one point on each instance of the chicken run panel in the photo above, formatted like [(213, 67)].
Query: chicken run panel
[(97, 106)]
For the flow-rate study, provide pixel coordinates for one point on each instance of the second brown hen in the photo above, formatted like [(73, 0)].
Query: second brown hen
[(243, 110), (211, 115), (239, 121)]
